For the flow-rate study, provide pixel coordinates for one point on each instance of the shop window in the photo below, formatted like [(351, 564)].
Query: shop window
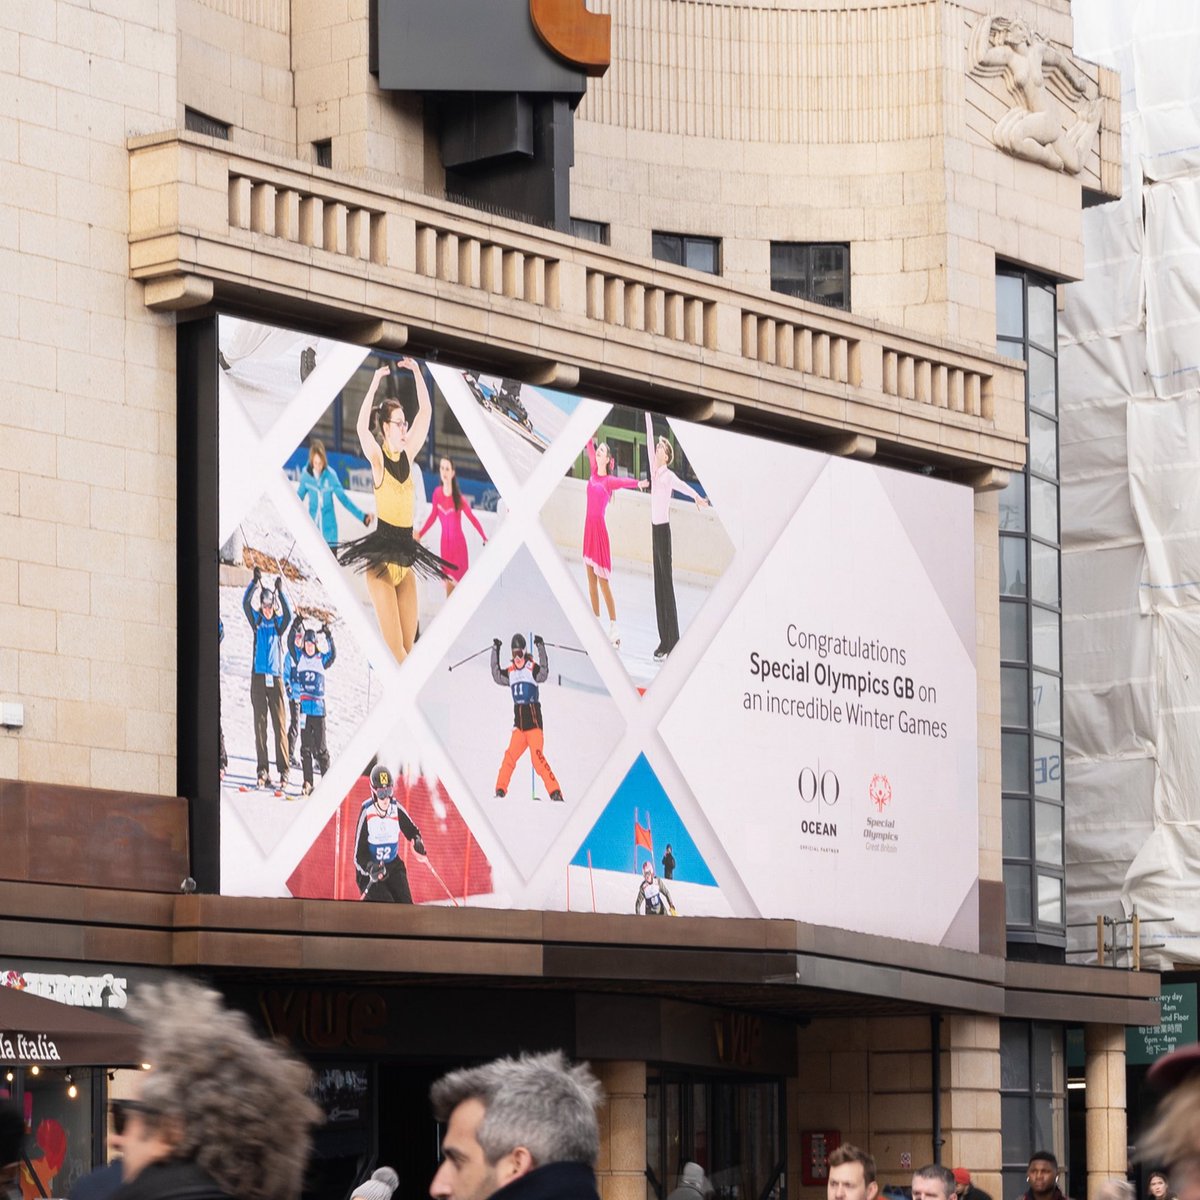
[(814, 271)]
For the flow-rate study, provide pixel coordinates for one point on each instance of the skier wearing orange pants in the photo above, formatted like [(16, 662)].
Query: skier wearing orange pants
[(522, 676)]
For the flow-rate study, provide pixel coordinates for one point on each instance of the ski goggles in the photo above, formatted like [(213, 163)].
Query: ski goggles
[(382, 793)]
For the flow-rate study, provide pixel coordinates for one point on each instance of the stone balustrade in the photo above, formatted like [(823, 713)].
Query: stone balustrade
[(211, 223)]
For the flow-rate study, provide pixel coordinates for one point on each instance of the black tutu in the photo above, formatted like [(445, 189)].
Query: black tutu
[(392, 545)]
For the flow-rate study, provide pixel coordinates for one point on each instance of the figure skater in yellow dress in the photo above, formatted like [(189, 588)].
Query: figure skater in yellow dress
[(389, 554)]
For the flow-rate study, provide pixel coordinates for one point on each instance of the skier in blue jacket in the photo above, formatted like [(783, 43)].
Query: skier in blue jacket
[(267, 687), (320, 486), (309, 667)]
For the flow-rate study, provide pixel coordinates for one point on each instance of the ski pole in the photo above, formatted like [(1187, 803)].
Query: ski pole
[(441, 882), (557, 646), (468, 658)]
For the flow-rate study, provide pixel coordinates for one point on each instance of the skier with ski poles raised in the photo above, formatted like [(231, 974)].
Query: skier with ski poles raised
[(267, 695), (522, 676)]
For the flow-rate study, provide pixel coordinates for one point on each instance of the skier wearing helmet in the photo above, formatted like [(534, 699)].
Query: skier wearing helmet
[(523, 676), (267, 685), (382, 875)]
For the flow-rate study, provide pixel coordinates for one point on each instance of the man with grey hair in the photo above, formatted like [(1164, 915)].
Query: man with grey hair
[(934, 1182), (519, 1129)]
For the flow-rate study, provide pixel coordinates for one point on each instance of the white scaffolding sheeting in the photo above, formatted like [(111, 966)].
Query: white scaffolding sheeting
[(1130, 466)]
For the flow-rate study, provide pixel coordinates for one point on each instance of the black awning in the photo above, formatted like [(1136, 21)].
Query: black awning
[(36, 1030)]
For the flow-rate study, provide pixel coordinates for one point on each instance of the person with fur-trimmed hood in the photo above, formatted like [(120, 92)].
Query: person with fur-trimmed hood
[(222, 1114)]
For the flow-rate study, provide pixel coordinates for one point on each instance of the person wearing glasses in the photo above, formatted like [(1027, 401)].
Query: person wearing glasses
[(382, 875), (104, 1181), (223, 1114), (389, 555)]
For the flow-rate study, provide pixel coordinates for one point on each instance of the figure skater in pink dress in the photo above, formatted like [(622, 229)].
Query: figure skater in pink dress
[(597, 554), (449, 506)]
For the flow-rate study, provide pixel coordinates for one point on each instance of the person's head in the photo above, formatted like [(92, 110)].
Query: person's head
[(310, 642), (647, 871), (851, 1174), (1173, 1137), (318, 460), (668, 848), (1042, 1175), (266, 602), (1157, 1184), (510, 1116), (693, 1176), (382, 785), (449, 478), (664, 454), (12, 1144), (603, 459), (217, 1095), (962, 1180), (933, 1182), (393, 424), (519, 648)]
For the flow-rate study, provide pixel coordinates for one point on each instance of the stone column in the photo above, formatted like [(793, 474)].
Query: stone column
[(1107, 1149), (621, 1166), (971, 1097)]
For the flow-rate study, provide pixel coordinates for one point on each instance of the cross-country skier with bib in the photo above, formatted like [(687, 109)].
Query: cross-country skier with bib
[(382, 875), (523, 676)]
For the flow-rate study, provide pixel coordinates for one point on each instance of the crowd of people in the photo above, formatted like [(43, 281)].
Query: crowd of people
[(226, 1115)]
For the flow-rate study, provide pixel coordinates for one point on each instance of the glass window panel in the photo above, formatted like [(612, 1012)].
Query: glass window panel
[(1043, 508), (789, 268), (1014, 696), (1014, 771), (1041, 317), (1047, 701), (1010, 306), (1014, 1059), (1014, 631), (1018, 895), (667, 247), (1044, 570), (700, 254), (1043, 445), (1048, 834), (1040, 381), (830, 276), (1050, 906), (1012, 503), (1012, 566), (1047, 768), (1047, 649), (1015, 819), (1011, 349), (1042, 1038)]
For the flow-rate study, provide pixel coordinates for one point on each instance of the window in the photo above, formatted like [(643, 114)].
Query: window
[(323, 152), (591, 231), (1033, 1092), (1031, 627), (698, 253), (814, 271), (197, 122)]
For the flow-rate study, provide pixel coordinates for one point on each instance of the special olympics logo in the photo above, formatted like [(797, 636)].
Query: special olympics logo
[(880, 792)]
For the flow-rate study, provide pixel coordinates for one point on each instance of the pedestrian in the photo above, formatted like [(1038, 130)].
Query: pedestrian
[(223, 1114), (1158, 1186), (523, 677), (1042, 1177), (693, 1184), (1173, 1138), (518, 1129), (383, 820), (851, 1174), (933, 1182), (309, 664), (965, 1188), (12, 1145), (380, 1186), (268, 687)]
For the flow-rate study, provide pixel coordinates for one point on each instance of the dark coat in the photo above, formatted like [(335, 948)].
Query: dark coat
[(100, 1184), (554, 1181), (171, 1179)]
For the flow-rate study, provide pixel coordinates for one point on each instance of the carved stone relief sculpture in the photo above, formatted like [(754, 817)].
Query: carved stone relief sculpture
[(1055, 109)]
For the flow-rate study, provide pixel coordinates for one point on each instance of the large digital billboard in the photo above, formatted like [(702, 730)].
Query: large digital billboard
[(488, 644)]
